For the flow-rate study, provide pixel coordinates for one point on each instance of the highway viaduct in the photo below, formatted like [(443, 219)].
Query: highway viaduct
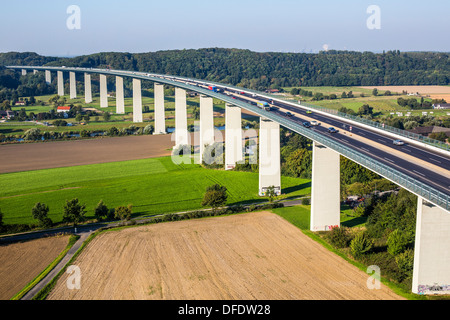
[(421, 166)]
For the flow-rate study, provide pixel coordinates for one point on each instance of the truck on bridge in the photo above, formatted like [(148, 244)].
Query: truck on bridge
[(263, 105)]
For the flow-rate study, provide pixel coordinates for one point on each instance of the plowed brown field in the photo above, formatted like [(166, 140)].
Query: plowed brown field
[(244, 256), (22, 262)]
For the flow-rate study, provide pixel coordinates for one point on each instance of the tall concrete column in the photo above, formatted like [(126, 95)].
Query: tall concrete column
[(35, 71), (431, 250), (325, 189), (206, 124), (137, 101), (233, 136), (160, 119), (103, 92), (269, 156), (181, 133), (48, 76), (120, 100), (60, 76), (73, 85), (24, 72), (87, 88)]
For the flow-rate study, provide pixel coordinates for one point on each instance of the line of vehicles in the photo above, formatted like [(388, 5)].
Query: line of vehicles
[(307, 124)]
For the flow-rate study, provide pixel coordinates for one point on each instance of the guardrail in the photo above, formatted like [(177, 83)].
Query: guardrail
[(413, 185)]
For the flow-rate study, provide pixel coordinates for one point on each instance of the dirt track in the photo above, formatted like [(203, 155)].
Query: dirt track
[(22, 262), (246, 256)]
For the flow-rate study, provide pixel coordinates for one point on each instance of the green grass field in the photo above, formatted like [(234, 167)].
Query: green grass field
[(153, 186)]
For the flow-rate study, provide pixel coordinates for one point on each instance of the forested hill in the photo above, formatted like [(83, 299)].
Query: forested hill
[(270, 69)]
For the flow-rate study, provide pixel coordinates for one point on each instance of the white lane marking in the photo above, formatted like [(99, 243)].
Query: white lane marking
[(419, 173), (389, 160), (435, 160), (365, 149)]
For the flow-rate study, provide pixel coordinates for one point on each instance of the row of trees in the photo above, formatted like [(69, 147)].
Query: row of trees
[(74, 212)]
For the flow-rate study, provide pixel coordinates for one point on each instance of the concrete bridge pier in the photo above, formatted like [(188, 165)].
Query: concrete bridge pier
[(160, 119), (48, 76), (73, 85), (137, 101), (206, 124), (24, 72), (431, 273), (181, 132), (233, 136), (269, 156), (35, 71), (60, 76), (120, 99), (103, 92), (87, 88), (325, 189)]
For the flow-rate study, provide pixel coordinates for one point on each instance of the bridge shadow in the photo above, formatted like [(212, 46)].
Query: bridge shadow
[(354, 222), (296, 188)]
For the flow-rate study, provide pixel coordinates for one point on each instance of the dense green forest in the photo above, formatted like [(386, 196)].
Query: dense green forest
[(260, 71)]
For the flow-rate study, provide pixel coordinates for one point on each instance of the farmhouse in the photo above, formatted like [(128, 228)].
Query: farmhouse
[(63, 109)]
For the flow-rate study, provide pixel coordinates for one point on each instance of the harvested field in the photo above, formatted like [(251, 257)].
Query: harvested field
[(435, 92), (45, 155), (245, 256), (22, 262)]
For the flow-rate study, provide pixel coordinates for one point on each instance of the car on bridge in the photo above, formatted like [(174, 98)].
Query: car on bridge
[(398, 142), (332, 130), (315, 123), (306, 124), (288, 114), (308, 111)]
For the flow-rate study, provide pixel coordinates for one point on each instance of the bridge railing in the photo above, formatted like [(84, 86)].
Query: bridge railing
[(413, 185), (371, 123)]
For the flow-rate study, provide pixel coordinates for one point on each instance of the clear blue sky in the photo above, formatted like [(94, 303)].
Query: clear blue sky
[(258, 25)]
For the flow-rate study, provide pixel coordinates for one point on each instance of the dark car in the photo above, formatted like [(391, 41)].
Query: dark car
[(288, 114), (332, 130), (306, 124)]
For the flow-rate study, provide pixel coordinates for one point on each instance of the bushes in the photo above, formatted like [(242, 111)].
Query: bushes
[(405, 263), (339, 237), (397, 242), (361, 244)]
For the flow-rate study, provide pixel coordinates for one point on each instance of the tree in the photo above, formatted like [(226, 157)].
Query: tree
[(39, 212), (405, 263), (360, 244), (123, 213), (101, 210), (215, 196), (106, 116), (375, 92), (196, 113), (74, 211), (270, 193), (365, 109), (78, 117), (396, 242)]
